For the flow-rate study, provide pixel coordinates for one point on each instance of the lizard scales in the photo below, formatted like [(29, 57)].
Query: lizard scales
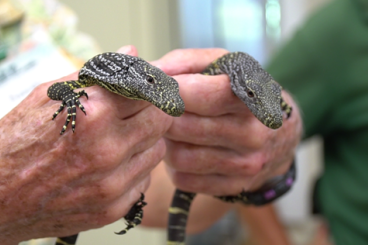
[(262, 95), (125, 75), (122, 74)]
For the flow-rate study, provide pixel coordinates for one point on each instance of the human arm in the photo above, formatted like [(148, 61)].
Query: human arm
[(52, 185), (263, 225)]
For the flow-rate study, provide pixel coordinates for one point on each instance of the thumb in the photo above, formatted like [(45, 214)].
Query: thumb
[(128, 49), (184, 61)]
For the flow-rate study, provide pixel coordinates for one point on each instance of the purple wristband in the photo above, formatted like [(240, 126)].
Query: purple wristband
[(270, 191)]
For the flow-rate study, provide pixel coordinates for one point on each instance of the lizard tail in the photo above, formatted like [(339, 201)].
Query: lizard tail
[(67, 240), (178, 216)]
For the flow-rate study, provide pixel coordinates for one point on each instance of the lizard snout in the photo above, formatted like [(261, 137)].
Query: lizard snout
[(273, 122), (175, 107)]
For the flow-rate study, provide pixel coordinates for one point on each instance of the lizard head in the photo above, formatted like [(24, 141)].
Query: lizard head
[(156, 87), (262, 95)]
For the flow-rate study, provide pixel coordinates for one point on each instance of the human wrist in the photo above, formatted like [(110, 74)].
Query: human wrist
[(9, 234), (10, 231), (5, 240), (272, 189), (268, 192)]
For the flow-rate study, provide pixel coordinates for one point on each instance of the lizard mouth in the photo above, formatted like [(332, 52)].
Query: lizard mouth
[(273, 122), (174, 108)]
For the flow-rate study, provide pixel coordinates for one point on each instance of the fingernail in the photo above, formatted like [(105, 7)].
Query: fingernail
[(125, 49)]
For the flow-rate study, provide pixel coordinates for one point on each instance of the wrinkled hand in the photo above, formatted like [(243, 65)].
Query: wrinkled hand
[(52, 185), (218, 147)]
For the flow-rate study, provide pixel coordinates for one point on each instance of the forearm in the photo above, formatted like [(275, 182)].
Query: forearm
[(264, 226), (206, 210), (16, 133), (8, 237)]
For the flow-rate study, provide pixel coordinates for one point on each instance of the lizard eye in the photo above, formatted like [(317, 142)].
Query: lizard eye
[(150, 79), (250, 94)]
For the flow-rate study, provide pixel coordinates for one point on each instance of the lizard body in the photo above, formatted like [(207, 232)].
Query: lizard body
[(130, 77), (262, 95), (122, 74)]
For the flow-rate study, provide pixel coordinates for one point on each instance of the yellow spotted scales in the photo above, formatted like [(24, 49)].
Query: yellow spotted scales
[(122, 74)]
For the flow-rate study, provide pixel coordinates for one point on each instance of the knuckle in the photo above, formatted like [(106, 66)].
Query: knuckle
[(173, 156), (156, 123), (254, 164), (254, 168), (142, 163), (159, 150), (176, 52), (109, 190), (257, 136), (113, 187), (243, 165), (146, 132), (220, 51)]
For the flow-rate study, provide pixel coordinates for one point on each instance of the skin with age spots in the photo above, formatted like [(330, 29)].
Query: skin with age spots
[(49, 184), (125, 75)]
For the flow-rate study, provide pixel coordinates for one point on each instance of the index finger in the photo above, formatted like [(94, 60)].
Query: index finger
[(183, 61), (208, 95)]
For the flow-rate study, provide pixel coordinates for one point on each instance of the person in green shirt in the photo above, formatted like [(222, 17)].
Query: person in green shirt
[(325, 67)]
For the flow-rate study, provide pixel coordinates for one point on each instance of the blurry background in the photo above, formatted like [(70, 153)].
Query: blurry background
[(254, 26), (158, 26), (155, 27)]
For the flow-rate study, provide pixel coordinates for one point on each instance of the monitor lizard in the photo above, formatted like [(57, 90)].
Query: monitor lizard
[(262, 95), (129, 76)]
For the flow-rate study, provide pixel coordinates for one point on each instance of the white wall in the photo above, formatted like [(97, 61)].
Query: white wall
[(151, 25)]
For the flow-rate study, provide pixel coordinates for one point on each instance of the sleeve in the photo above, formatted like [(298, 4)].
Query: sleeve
[(298, 73), (307, 67)]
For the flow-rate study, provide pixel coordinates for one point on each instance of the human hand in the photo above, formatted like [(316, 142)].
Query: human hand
[(218, 147), (52, 185)]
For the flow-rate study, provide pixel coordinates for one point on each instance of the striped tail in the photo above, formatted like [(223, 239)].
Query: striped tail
[(67, 240), (178, 216), (134, 216)]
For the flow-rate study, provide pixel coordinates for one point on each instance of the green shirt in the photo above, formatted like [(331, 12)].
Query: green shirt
[(325, 68)]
